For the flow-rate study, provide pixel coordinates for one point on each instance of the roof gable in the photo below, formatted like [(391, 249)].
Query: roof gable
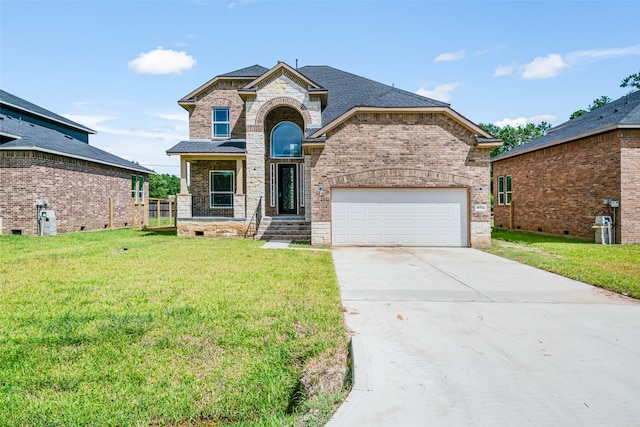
[(247, 73), (621, 113), (283, 69)]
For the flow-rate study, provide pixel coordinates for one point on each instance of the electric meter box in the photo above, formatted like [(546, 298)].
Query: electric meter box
[(47, 222), (603, 220)]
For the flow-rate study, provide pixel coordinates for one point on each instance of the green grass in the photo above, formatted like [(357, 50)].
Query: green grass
[(614, 267), (120, 327)]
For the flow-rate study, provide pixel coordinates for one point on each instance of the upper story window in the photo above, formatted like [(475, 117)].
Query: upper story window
[(286, 141), (221, 123)]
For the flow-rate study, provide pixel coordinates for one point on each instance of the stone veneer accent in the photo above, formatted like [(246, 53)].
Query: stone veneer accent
[(321, 233), (212, 227), (560, 189)]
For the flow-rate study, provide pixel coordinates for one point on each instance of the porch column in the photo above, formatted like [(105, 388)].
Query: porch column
[(183, 176), (239, 178)]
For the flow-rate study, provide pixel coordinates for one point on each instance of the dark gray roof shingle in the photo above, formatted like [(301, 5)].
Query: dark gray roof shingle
[(624, 111), (252, 71), (12, 100), (209, 146), (40, 138), (347, 90)]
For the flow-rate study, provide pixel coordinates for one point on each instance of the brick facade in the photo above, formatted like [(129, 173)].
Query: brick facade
[(386, 149), (406, 150), (77, 190), (560, 189)]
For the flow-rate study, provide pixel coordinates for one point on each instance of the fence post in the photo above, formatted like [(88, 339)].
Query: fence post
[(110, 213)]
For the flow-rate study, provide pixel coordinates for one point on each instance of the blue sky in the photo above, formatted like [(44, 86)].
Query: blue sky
[(119, 67)]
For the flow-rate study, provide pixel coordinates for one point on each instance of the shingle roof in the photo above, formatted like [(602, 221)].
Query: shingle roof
[(40, 138), (209, 146), (623, 112), (347, 90), (252, 71), (12, 100)]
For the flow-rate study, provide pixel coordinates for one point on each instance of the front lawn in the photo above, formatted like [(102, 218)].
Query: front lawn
[(615, 267), (131, 328)]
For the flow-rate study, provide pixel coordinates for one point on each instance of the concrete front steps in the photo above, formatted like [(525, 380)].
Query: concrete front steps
[(283, 228)]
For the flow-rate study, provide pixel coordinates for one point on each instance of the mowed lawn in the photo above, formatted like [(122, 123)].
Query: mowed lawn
[(127, 328), (614, 267)]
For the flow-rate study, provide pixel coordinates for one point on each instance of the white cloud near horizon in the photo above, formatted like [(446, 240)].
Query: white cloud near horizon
[(162, 61), (440, 93), (450, 56), (522, 121), (553, 64)]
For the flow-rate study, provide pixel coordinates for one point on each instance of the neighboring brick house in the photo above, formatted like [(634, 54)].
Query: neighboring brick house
[(331, 157), (44, 156), (558, 183)]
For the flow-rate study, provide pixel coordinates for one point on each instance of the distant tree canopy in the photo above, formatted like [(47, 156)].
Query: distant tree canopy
[(162, 186), (513, 137), (597, 103), (632, 81)]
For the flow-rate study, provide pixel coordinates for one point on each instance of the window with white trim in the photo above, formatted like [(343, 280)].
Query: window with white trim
[(137, 188), (504, 190), (221, 122), (221, 189)]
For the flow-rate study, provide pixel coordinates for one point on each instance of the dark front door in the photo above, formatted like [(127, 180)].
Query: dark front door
[(287, 194)]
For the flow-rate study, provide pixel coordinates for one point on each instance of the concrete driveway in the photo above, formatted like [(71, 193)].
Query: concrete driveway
[(458, 337)]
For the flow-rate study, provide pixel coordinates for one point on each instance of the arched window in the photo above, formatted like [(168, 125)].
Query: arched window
[(286, 141)]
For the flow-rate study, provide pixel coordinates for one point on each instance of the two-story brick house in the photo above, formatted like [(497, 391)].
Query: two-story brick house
[(342, 159), (45, 157)]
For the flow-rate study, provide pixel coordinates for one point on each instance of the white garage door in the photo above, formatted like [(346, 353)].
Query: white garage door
[(399, 217)]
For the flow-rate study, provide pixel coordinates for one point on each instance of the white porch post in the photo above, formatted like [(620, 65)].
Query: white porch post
[(183, 199), (183, 176), (239, 178)]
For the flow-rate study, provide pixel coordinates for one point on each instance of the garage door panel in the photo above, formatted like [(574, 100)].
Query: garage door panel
[(427, 217)]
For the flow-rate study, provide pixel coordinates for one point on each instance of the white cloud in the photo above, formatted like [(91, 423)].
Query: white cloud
[(505, 70), (450, 56), (441, 93), (600, 54), (544, 67), (146, 146), (89, 121), (521, 121), (171, 116), (162, 61)]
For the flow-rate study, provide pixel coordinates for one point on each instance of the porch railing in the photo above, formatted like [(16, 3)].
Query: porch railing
[(201, 207), (254, 224)]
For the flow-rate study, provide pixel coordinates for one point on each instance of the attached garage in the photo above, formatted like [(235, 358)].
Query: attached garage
[(399, 217)]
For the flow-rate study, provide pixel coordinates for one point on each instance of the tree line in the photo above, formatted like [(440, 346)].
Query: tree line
[(514, 136), (163, 185)]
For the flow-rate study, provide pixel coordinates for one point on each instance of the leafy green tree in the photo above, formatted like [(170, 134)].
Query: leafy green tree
[(632, 81), (162, 186), (597, 103), (513, 137)]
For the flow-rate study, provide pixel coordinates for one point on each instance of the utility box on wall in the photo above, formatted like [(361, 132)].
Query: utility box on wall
[(47, 222)]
